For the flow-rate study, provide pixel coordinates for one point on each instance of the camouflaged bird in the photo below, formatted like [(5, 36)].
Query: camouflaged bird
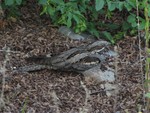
[(77, 59)]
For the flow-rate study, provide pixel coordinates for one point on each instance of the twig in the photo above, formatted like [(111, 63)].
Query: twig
[(116, 74), (10, 51), (85, 109), (56, 101), (3, 72), (140, 53)]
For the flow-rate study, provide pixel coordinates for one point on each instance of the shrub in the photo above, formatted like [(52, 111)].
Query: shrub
[(85, 15), (97, 17)]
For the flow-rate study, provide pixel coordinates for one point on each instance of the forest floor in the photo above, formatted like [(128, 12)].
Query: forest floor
[(50, 91)]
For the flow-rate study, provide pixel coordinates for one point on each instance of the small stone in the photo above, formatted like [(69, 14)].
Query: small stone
[(100, 76), (72, 35)]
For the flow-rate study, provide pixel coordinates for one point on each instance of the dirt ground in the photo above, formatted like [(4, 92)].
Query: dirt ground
[(50, 91)]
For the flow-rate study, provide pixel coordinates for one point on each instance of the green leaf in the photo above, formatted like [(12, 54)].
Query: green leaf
[(111, 6), (120, 6), (132, 3), (77, 30), (134, 24), (18, 2), (94, 32), (149, 10), (76, 18), (69, 23), (126, 26), (50, 10), (147, 81), (43, 2), (147, 95), (99, 4), (9, 2), (44, 10), (83, 28), (142, 24), (112, 26), (62, 20), (148, 50), (119, 35), (147, 59), (127, 6), (79, 14), (92, 29), (58, 1), (131, 19), (108, 36), (95, 15)]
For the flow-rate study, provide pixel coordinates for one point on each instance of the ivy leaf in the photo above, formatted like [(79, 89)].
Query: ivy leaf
[(18, 2), (9, 2), (99, 4)]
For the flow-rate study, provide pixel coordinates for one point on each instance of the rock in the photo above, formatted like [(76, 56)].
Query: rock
[(100, 76), (74, 36), (111, 89)]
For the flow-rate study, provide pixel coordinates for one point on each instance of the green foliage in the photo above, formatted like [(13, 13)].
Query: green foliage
[(147, 95), (24, 108), (11, 6), (99, 4), (12, 2), (88, 15), (147, 37), (85, 15), (108, 36), (65, 13)]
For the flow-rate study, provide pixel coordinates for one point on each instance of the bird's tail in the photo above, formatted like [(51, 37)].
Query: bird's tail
[(39, 59)]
